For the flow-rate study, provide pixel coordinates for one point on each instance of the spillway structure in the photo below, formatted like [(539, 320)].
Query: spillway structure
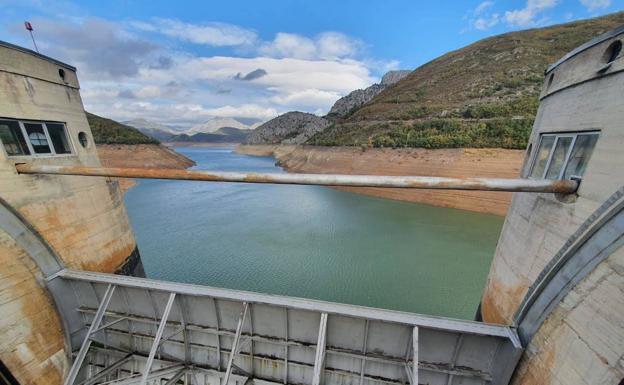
[(75, 307)]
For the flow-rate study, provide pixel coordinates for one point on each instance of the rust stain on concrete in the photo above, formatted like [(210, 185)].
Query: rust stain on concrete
[(535, 369), (31, 339), (500, 301)]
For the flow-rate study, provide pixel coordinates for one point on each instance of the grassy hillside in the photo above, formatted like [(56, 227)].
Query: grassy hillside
[(482, 95), (107, 131)]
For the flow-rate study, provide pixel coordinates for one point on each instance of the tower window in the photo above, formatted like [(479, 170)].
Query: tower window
[(12, 138), (563, 156), (21, 138), (613, 51)]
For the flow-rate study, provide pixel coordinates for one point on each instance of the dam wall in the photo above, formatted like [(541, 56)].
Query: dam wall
[(456, 162), (577, 337), (42, 121)]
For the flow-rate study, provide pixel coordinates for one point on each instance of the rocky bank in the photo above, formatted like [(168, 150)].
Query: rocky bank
[(140, 155), (461, 162)]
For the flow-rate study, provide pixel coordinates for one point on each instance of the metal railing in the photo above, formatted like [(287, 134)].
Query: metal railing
[(409, 182)]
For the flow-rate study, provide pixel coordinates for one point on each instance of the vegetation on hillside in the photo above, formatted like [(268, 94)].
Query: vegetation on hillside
[(482, 95), (108, 131)]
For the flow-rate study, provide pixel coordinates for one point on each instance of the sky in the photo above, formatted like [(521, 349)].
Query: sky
[(183, 62)]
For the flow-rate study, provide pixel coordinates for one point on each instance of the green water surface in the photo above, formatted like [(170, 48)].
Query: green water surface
[(310, 241)]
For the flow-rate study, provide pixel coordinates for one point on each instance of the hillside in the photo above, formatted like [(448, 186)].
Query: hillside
[(482, 95), (107, 131), (119, 145)]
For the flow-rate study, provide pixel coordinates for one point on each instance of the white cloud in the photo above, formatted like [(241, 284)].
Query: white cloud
[(480, 18), (483, 6), (149, 92), (310, 98), (181, 115), (286, 74), (211, 34), (593, 5), (327, 45), (289, 45), (187, 92), (99, 47), (527, 16), (132, 73), (483, 23), (335, 45)]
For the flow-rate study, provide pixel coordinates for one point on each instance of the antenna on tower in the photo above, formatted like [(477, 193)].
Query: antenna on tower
[(29, 27)]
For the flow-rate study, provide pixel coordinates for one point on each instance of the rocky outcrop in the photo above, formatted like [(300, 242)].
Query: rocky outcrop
[(392, 77), (345, 105), (289, 128), (356, 99)]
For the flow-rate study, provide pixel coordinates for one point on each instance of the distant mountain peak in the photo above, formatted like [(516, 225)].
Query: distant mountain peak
[(213, 125), (145, 124)]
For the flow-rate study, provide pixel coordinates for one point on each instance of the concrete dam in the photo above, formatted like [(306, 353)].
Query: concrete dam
[(76, 308)]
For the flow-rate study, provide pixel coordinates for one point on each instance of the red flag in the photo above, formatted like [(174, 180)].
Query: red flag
[(28, 25)]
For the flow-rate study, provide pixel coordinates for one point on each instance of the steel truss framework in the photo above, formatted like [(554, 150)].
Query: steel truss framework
[(141, 331)]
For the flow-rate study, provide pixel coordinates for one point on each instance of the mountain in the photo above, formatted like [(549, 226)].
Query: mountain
[(217, 130), (215, 124), (297, 127), (292, 128), (222, 135), (356, 99), (155, 130), (107, 131), (482, 95)]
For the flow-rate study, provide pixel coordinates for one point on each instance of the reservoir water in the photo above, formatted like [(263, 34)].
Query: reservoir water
[(311, 241)]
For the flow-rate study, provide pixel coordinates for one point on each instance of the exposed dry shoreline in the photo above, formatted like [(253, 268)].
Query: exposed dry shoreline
[(140, 155), (460, 162)]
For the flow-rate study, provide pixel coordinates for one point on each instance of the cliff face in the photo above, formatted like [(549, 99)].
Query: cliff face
[(489, 163), (356, 99), (289, 128), (347, 104)]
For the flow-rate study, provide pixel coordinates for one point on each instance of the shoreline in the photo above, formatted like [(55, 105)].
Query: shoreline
[(140, 155), (455, 162)]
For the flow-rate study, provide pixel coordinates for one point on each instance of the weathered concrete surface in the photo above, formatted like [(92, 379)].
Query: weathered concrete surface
[(582, 341), (538, 224), (83, 219), (460, 163), (31, 338)]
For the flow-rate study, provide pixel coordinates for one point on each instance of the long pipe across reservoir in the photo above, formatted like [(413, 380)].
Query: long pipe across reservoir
[(415, 182)]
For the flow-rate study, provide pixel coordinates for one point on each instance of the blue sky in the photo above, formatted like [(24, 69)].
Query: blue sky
[(183, 62)]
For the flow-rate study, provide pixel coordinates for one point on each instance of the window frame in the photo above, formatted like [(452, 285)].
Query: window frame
[(52, 153), (557, 135)]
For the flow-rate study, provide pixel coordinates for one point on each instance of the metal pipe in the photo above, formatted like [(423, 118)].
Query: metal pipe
[(415, 182)]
